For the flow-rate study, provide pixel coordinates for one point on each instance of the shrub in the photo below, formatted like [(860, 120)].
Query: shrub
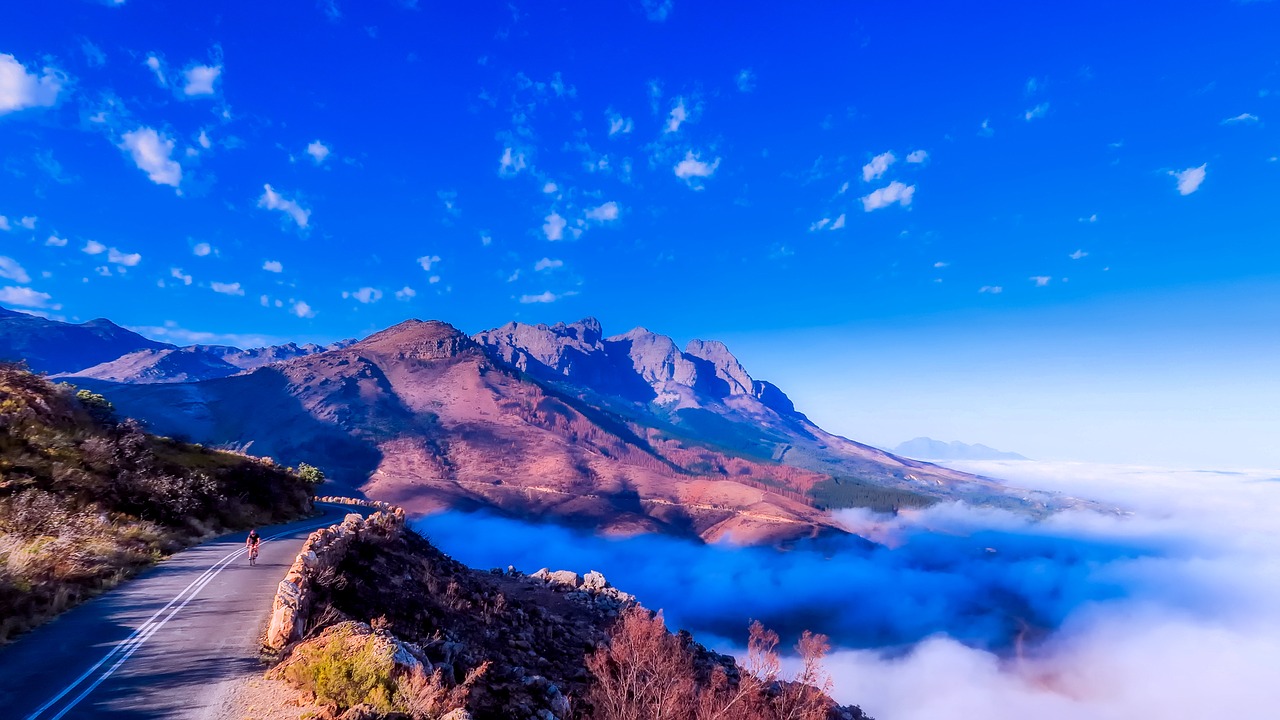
[(310, 474), (340, 676)]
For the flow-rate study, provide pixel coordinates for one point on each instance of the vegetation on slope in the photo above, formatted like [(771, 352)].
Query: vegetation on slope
[(399, 628), (86, 501)]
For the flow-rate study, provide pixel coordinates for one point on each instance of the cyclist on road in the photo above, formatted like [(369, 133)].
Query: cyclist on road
[(252, 543)]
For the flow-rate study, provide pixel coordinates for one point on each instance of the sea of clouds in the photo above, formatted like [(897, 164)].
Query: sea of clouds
[(1171, 610)]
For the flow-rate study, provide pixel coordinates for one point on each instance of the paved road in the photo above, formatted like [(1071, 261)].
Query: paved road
[(171, 643)]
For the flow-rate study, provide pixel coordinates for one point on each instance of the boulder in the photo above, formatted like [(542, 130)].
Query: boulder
[(564, 579), (594, 581)]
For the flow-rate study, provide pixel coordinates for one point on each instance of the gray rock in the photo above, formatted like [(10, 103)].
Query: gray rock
[(594, 581)]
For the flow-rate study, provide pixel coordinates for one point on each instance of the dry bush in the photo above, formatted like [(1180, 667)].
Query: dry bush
[(428, 696), (646, 673)]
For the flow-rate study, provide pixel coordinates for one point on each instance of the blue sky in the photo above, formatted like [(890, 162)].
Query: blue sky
[(962, 221)]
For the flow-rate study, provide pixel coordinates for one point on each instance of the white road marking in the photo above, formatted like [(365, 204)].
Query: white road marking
[(139, 636)]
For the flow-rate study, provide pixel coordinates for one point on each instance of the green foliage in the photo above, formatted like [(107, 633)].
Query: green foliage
[(836, 493), (341, 676), (97, 405), (310, 474)]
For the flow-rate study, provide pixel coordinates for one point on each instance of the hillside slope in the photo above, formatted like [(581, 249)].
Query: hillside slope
[(85, 501)]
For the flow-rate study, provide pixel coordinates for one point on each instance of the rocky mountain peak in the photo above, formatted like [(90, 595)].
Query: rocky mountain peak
[(419, 340), (655, 357), (725, 366)]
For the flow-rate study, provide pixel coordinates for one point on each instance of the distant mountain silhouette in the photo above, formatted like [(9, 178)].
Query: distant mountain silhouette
[(923, 448)]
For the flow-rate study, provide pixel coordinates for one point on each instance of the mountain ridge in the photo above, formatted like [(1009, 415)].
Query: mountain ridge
[(624, 433)]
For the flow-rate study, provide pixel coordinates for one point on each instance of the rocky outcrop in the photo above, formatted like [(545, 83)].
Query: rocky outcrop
[(322, 552), (591, 589)]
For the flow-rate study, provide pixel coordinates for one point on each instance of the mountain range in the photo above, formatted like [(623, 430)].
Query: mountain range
[(625, 433), (924, 448)]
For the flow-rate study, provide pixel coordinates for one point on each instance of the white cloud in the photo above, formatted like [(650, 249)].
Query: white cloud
[(4, 224), (302, 310), (1038, 111), (25, 297), (204, 140), (985, 130), (678, 115), (692, 169), (894, 192), (1040, 280), (838, 223), (877, 167), (917, 156), (20, 89), (1078, 254), (619, 125), (1242, 119), (151, 152), (1189, 180), (55, 241), (546, 297), (103, 270), (543, 264), (820, 224), (365, 295), (746, 80), (9, 268), (200, 79), (271, 200), (318, 151), (120, 258), (486, 239), (657, 10), (991, 289), (550, 188), (434, 279), (428, 261), (941, 264), (93, 247), (511, 162), (203, 249), (177, 274), (1091, 219), (28, 222), (157, 67), (604, 213), (273, 266), (227, 288), (405, 293), (554, 226)]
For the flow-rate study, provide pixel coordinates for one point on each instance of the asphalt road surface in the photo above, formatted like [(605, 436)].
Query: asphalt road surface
[(172, 643)]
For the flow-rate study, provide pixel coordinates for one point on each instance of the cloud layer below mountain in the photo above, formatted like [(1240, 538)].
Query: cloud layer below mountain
[(1171, 611)]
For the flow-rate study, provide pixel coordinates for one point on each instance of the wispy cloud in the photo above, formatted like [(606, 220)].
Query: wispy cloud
[(1036, 112), (746, 81), (1040, 280), (364, 295), (12, 270), (877, 167), (553, 227), (1189, 180), (894, 192), (679, 114), (545, 297), (1078, 254), (693, 169), (318, 151), (227, 288), (991, 289), (1242, 119), (26, 297), (603, 213), (151, 152), (917, 156), (273, 266), (272, 200), (200, 79), (543, 264)]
